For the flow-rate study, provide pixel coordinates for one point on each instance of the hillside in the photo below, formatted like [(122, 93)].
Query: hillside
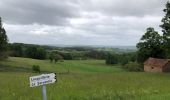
[(87, 80), (25, 65)]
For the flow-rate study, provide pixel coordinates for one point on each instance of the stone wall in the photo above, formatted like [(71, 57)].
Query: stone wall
[(152, 69)]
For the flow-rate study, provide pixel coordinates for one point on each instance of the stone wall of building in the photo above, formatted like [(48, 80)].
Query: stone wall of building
[(152, 69)]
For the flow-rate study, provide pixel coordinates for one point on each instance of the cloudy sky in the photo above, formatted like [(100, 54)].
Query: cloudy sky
[(80, 22)]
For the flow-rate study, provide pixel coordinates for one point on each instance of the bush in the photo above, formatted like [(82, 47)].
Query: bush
[(3, 55), (36, 68), (133, 66), (124, 61)]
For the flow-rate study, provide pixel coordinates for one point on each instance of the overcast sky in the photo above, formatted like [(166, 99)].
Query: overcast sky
[(80, 22)]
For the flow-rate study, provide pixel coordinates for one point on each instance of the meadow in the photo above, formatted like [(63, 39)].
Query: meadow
[(86, 80)]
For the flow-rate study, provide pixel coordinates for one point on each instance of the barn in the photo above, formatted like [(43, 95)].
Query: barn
[(157, 65)]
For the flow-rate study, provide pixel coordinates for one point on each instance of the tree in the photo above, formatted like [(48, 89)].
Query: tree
[(57, 57), (111, 59), (51, 56), (3, 41), (41, 53), (123, 59), (54, 56), (166, 29), (150, 46), (16, 49), (35, 52)]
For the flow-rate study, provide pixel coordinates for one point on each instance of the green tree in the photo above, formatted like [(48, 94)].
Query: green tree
[(57, 57), (51, 56), (3, 41), (111, 59), (166, 29), (124, 60), (16, 50), (41, 53), (35, 52), (150, 45)]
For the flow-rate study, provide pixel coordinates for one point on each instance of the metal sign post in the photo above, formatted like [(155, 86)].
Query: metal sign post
[(44, 92), (43, 80)]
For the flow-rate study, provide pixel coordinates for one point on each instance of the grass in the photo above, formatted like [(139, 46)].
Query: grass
[(87, 80)]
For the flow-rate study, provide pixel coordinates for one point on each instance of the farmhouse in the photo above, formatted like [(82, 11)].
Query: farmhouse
[(157, 65)]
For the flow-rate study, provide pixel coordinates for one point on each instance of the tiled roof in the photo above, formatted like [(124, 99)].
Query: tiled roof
[(156, 62)]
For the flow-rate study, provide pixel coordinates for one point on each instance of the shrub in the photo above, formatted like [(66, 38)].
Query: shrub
[(3, 55), (124, 61), (133, 66), (36, 68)]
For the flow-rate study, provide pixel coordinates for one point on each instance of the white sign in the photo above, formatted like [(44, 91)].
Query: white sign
[(42, 79)]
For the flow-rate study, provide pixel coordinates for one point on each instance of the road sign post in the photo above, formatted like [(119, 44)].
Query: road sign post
[(44, 92), (43, 80)]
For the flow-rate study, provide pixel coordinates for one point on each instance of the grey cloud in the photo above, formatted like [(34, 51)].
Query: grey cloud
[(38, 11), (69, 22), (125, 7), (117, 25), (119, 31), (57, 12)]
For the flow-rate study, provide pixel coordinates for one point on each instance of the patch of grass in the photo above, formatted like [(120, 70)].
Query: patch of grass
[(8, 68), (88, 66)]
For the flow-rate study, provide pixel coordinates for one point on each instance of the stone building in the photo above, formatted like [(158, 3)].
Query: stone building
[(157, 65)]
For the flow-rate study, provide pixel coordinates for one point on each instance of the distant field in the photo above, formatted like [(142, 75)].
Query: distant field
[(87, 80)]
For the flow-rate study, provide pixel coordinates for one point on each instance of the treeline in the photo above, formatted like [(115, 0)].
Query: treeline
[(27, 50), (71, 53), (122, 59), (65, 53), (128, 61)]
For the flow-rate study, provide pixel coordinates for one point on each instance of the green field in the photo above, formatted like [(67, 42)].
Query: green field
[(86, 80)]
